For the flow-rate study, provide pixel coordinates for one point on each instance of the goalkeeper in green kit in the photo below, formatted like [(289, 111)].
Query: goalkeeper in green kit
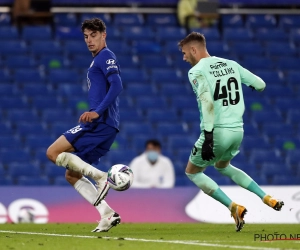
[(217, 85)]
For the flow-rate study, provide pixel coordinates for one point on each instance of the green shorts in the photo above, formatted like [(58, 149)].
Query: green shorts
[(227, 142)]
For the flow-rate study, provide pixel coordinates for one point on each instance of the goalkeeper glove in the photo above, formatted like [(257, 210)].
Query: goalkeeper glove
[(207, 152)]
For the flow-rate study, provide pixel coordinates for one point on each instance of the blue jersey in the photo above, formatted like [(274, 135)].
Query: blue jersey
[(104, 86)]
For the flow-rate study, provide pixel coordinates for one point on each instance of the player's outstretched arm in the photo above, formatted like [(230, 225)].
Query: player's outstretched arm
[(251, 80)]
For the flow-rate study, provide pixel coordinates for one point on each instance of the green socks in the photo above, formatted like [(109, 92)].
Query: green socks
[(242, 179), (211, 188)]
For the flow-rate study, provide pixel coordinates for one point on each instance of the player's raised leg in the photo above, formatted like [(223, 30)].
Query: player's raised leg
[(211, 188), (245, 181), (59, 153)]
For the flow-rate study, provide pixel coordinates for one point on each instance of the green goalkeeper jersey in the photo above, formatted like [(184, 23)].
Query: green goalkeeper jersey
[(219, 81)]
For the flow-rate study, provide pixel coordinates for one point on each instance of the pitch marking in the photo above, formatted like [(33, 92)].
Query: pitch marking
[(144, 240)]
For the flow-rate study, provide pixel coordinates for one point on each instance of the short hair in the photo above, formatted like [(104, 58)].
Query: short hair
[(194, 36), (153, 142), (94, 24)]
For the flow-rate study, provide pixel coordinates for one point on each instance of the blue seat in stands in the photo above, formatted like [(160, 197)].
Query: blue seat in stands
[(141, 46), (20, 115), (60, 127), (232, 21), (211, 34), (138, 89), (9, 142), (269, 76), (170, 33), (280, 49), (131, 115), (118, 48), (9, 32), (81, 61), (173, 90), (293, 77), (41, 141), (6, 181), (13, 47), (247, 48), (69, 89), (160, 75), (250, 143), (133, 75), (155, 61), (8, 156), (76, 47), (2, 170), (170, 48), (257, 63), (157, 20), (237, 34), (7, 89), (40, 156), (285, 103), (45, 47), (43, 102), (285, 180), (181, 141), (52, 171), (267, 34), (13, 103), (137, 33), (280, 91), (146, 102), (63, 75), (190, 115), (289, 21), (5, 19), (5, 76), (293, 116), (288, 63), (169, 129), (162, 116), (139, 141), (68, 33), (65, 19), (270, 116), (6, 129), (293, 156), (106, 17), (283, 142), (20, 62), (27, 75), (53, 114), (36, 33), (132, 128), (259, 21), (183, 155), (184, 103), (32, 181), (35, 128), (270, 169), (128, 19), (33, 89), (273, 129), (121, 156), (260, 156)]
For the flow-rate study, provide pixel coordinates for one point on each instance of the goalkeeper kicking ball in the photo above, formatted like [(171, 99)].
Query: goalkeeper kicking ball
[(120, 177)]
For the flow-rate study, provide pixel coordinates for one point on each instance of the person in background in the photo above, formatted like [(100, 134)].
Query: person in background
[(151, 169)]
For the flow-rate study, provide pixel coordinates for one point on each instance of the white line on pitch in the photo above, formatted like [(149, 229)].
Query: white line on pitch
[(145, 240)]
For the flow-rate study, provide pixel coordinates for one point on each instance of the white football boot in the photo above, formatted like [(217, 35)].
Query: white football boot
[(107, 222), (102, 189)]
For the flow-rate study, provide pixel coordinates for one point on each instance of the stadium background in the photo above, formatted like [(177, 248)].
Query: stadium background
[(43, 86)]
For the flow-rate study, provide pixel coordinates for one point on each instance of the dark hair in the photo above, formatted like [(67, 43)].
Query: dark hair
[(153, 142), (194, 36), (94, 24)]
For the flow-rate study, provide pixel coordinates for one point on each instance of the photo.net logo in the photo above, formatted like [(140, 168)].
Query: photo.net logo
[(276, 236)]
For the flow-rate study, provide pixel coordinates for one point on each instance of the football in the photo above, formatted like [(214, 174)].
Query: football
[(120, 177)]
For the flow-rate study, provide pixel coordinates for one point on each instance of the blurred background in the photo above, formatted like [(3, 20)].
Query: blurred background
[(43, 90)]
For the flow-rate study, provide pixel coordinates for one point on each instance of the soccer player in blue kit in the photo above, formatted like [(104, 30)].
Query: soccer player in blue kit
[(84, 144)]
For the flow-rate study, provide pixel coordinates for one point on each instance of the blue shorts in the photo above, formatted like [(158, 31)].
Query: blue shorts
[(91, 141)]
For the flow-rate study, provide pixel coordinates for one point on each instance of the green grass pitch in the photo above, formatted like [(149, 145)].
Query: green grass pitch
[(145, 236)]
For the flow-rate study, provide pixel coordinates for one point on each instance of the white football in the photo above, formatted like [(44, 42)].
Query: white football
[(120, 177), (26, 215)]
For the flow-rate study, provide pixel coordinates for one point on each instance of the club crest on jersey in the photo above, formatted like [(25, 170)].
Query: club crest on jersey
[(110, 61)]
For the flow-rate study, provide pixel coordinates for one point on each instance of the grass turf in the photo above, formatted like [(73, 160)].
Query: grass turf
[(204, 236)]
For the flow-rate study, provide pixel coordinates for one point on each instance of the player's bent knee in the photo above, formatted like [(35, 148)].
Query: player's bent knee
[(72, 177), (51, 155)]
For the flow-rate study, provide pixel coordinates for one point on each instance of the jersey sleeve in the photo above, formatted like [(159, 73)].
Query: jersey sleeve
[(108, 64), (251, 79)]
